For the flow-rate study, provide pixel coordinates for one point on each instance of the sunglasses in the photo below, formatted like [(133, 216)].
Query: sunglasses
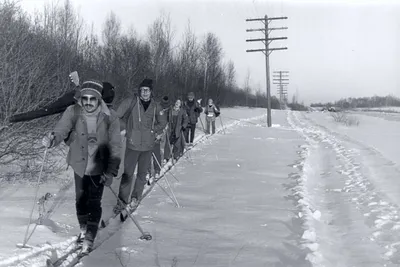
[(89, 98)]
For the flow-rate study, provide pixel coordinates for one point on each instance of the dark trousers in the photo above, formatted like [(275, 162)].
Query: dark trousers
[(190, 128), (177, 147), (133, 158), (89, 192)]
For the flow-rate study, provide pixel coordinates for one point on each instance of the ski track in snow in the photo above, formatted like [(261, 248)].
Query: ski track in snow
[(37, 256), (344, 211)]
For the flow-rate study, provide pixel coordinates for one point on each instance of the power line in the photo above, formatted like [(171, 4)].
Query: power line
[(267, 51)]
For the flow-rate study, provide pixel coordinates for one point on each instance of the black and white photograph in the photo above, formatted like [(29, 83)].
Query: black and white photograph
[(199, 133)]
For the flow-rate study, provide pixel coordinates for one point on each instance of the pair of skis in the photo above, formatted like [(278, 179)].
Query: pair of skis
[(123, 216), (75, 249)]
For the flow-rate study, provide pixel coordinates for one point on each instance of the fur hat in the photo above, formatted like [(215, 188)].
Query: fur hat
[(146, 83), (92, 87)]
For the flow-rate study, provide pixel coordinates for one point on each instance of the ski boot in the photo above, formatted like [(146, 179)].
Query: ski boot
[(81, 235), (87, 247), (119, 207)]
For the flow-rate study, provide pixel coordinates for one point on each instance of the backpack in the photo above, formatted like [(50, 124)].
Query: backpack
[(129, 110)]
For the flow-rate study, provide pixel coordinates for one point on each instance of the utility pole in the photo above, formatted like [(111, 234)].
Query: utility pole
[(267, 51), (280, 79)]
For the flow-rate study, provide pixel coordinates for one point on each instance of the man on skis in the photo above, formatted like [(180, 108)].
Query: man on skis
[(144, 121), (94, 154), (193, 110)]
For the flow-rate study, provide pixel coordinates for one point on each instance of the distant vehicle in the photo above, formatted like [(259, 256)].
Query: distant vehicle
[(330, 109)]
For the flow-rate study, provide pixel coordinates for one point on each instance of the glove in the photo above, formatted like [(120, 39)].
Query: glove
[(74, 78), (197, 110), (158, 137), (48, 140), (172, 139), (106, 179)]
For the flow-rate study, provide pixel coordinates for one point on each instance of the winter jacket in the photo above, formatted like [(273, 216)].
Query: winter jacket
[(181, 122), (141, 126), (193, 111), (211, 112), (108, 139)]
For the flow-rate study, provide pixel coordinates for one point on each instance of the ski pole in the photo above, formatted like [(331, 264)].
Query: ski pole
[(170, 149), (188, 157), (159, 165), (165, 191), (169, 185), (26, 239), (223, 127), (202, 125), (145, 235)]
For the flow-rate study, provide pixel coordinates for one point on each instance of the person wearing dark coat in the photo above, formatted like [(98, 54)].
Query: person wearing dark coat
[(157, 161), (177, 124), (193, 110)]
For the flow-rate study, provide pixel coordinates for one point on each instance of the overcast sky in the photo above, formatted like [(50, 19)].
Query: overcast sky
[(335, 48)]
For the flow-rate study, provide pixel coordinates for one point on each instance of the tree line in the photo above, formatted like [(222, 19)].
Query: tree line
[(362, 102)]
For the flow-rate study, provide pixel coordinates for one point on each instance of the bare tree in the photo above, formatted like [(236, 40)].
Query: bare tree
[(247, 86), (211, 55), (160, 38)]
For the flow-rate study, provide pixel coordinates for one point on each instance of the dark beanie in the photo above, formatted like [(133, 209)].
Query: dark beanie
[(108, 93)]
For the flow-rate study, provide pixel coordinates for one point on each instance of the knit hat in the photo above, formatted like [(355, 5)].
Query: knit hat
[(147, 83), (165, 102), (92, 87), (191, 94)]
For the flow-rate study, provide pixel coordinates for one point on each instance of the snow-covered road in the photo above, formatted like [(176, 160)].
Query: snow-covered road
[(237, 207), (359, 223)]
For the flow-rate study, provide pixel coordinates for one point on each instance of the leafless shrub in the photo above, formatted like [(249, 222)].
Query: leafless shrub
[(345, 118)]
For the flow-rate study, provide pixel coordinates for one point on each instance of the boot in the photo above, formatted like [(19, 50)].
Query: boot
[(82, 234), (119, 207), (87, 247)]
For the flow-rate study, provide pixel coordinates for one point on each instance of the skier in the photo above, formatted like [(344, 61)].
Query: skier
[(94, 154), (144, 121), (211, 112), (160, 141), (193, 110), (176, 125)]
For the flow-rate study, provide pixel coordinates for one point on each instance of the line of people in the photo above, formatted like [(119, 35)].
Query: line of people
[(94, 132)]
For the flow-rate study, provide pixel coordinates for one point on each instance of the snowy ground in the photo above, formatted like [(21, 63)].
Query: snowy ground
[(307, 192), (16, 199), (237, 207)]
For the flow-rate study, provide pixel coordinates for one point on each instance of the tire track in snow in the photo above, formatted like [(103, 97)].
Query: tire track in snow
[(381, 214), (357, 190)]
